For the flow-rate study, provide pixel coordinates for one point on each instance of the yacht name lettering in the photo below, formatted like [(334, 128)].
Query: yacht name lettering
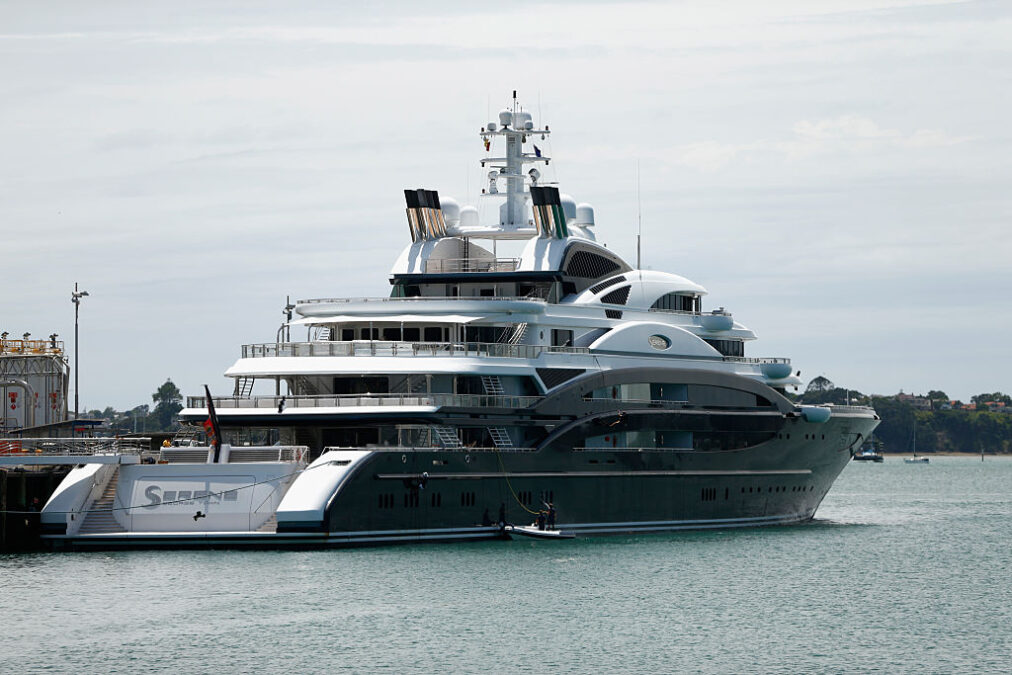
[(157, 496)]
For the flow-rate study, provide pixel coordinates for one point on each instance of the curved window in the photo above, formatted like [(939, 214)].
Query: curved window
[(728, 347), (677, 302)]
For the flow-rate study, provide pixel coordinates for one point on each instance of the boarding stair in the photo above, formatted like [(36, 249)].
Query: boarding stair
[(271, 526), (100, 518)]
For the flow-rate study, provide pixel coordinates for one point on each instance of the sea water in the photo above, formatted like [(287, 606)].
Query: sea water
[(906, 569)]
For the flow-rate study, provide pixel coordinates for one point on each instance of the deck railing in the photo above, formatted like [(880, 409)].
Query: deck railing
[(414, 448), (455, 265), (427, 298), (756, 361), (364, 400), (74, 446), (388, 348)]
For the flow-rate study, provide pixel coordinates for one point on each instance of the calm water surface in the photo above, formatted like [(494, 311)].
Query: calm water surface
[(907, 569)]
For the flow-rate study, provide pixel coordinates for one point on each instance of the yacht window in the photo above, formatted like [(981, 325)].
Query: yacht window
[(370, 334), (562, 338), (411, 334), (433, 334), (347, 334), (486, 292), (677, 302), (392, 334), (728, 347)]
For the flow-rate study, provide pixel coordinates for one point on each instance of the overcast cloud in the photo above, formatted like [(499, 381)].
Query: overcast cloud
[(835, 173)]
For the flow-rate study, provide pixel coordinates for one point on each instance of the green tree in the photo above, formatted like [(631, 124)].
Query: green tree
[(167, 405), (937, 397), (819, 384)]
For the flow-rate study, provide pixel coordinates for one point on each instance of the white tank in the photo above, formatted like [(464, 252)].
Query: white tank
[(568, 207), (451, 210), (505, 118), (468, 216), (584, 215)]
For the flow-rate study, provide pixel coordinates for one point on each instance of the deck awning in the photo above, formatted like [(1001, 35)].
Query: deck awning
[(385, 318)]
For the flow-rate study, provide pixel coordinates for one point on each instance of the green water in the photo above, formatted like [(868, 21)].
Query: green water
[(907, 569)]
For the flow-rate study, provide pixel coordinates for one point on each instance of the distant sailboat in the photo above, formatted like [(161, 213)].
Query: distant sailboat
[(915, 459)]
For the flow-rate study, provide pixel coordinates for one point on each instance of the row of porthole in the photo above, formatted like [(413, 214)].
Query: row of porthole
[(782, 488), (808, 437)]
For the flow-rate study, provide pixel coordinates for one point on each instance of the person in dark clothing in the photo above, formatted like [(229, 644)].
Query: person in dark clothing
[(502, 515), (486, 520), (551, 516), (541, 520)]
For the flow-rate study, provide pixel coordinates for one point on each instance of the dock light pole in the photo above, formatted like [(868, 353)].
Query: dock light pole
[(75, 298)]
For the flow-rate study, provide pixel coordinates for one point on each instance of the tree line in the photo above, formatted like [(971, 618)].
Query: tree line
[(161, 416), (936, 430)]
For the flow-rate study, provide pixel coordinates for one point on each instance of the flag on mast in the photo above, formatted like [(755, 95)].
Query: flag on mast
[(211, 426)]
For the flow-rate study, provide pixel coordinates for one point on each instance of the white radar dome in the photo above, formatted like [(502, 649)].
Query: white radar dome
[(584, 215), (468, 216), (451, 210), (492, 126), (521, 120), (568, 207), (505, 118)]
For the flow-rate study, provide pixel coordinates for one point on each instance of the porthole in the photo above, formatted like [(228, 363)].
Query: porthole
[(659, 342), (467, 459), (404, 459)]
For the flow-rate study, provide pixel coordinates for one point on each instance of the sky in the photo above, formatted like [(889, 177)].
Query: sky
[(835, 173)]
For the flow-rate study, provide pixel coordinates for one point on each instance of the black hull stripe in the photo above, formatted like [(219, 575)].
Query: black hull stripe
[(269, 540), (590, 474)]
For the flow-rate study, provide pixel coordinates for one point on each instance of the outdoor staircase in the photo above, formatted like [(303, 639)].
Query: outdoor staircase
[(100, 518), (243, 386), (492, 385), (447, 436), (271, 526), (518, 334), (500, 437)]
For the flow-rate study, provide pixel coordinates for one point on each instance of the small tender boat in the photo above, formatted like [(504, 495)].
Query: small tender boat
[(868, 454), (533, 531)]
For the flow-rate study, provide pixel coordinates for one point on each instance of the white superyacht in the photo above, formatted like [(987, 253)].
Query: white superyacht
[(486, 390)]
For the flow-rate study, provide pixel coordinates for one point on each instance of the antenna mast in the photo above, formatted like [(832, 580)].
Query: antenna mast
[(639, 218)]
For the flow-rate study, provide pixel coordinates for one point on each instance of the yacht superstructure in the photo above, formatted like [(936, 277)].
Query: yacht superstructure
[(485, 388)]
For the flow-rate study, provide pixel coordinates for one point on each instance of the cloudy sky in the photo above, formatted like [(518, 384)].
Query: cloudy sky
[(835, 173)]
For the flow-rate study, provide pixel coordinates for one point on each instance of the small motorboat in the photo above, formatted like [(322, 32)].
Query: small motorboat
[(537, 533), (916, 460), (868, 455)]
